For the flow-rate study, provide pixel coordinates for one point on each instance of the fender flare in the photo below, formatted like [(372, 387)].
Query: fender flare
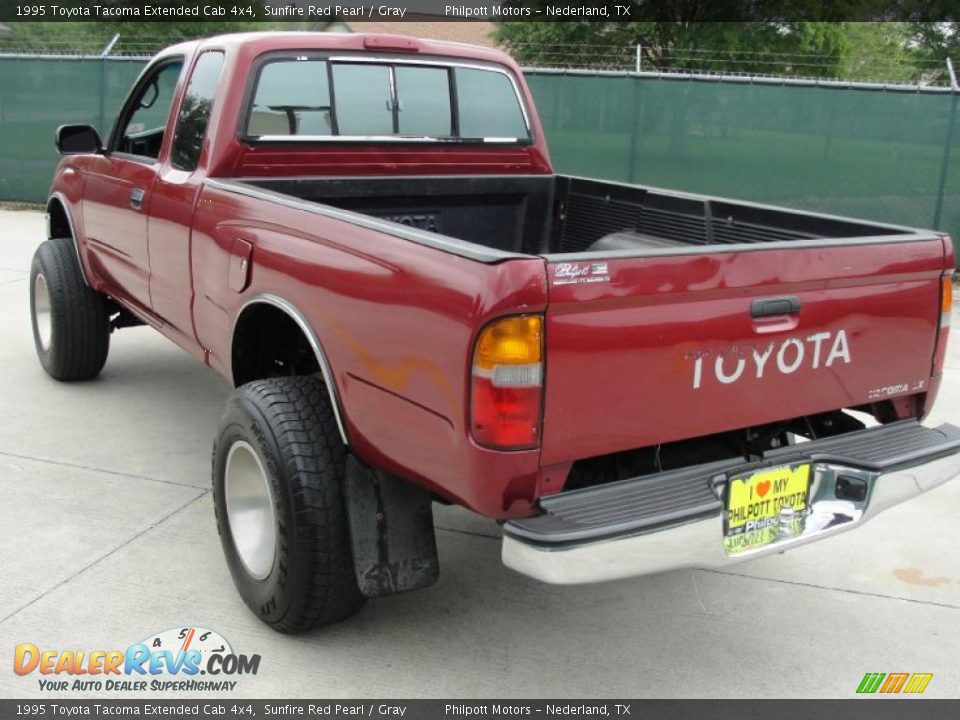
[(61, 200), (300, 319)]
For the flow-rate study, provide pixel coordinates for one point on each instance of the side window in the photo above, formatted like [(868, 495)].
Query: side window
[(146, 119), (195, 111)]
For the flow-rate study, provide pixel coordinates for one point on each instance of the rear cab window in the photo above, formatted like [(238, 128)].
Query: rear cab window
[(308, 97)]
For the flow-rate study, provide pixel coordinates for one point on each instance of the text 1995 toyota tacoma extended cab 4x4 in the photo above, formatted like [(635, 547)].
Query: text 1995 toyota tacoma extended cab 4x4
[(365, 235)]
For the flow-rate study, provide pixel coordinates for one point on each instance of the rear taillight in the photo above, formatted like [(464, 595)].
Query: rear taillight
[(946, 307), (507, 384), (946, 300)]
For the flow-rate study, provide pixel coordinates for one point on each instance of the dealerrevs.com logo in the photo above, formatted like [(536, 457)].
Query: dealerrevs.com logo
[(177, 660)]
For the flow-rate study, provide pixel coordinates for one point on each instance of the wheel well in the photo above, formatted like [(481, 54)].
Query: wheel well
[(268, 342), (59, 226), (59, 223)]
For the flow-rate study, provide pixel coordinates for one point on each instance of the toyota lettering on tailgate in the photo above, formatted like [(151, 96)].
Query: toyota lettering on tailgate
[(820, 350)]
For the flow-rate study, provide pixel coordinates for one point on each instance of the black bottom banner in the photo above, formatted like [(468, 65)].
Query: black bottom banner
[(860, 709)]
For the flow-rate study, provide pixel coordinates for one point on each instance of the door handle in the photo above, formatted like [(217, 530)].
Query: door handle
[(136, 198), (775, 306)]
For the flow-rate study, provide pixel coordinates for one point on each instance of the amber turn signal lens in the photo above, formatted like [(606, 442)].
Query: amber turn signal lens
[(511, 341), (946, 307)]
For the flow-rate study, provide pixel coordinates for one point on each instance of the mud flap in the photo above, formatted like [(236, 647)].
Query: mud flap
[(391, 530)]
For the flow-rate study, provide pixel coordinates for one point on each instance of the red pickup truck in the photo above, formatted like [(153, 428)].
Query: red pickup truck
[(364, 234)]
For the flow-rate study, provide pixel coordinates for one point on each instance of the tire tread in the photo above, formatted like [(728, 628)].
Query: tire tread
[(79, 318), (299, 413)]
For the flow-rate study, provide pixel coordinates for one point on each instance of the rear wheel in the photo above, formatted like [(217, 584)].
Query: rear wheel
[(71, 323), (278, 472)]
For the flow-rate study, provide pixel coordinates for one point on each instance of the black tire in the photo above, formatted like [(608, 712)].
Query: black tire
[(75, 339), (290, 425)]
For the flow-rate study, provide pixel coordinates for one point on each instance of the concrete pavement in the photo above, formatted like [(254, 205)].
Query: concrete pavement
[(108, 537)]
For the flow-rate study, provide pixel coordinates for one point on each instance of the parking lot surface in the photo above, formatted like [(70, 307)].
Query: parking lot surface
[(108, 538)]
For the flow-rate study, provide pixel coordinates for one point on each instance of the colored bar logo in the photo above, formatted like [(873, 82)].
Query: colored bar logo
[(892, 683)]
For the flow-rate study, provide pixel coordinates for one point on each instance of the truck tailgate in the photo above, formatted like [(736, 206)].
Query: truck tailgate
[(647, 350)]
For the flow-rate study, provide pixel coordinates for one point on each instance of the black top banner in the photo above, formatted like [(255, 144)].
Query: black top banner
[(471, 10), (193, 709)]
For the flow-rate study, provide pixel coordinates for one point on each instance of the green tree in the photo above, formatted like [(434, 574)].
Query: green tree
[(683, 34), (880, 51), (935, 42)]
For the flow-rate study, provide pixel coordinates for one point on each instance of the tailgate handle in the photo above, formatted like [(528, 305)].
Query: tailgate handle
[(775, 306)]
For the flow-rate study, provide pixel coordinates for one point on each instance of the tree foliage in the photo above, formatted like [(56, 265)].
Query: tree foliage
[(893, 51), (672, 34), (935, 42)]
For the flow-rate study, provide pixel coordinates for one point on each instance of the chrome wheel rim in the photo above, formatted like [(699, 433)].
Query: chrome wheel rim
[(250, 510), (41, 312)]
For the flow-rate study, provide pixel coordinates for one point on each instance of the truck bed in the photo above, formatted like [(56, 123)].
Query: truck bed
[(562, 215), (658, 304)]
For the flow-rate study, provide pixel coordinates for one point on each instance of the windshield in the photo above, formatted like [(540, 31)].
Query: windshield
[(312, 98)]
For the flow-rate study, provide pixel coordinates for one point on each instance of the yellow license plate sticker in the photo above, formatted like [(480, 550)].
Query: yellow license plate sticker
[(765, 505)]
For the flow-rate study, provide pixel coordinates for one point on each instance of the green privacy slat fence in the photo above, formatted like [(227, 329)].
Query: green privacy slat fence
[(37, 95), (884, 155)]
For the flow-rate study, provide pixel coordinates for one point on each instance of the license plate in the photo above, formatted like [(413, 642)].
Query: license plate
[(764, 506)]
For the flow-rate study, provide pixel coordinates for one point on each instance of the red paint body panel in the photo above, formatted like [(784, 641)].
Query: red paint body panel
[(173, 197), (398, 320), (115, 233)]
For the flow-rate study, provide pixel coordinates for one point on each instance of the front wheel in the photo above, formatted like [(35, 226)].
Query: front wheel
[(71, 322), (278, 472)]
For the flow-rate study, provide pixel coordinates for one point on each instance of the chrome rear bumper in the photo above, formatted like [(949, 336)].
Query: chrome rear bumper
[(675, 520)]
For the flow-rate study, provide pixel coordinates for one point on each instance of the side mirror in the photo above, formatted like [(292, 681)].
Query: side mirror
[(78, 140)]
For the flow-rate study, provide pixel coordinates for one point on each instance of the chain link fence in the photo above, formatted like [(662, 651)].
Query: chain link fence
[(884, 69)]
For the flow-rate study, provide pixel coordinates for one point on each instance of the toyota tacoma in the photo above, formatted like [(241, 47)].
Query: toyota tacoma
[(364, 234)]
